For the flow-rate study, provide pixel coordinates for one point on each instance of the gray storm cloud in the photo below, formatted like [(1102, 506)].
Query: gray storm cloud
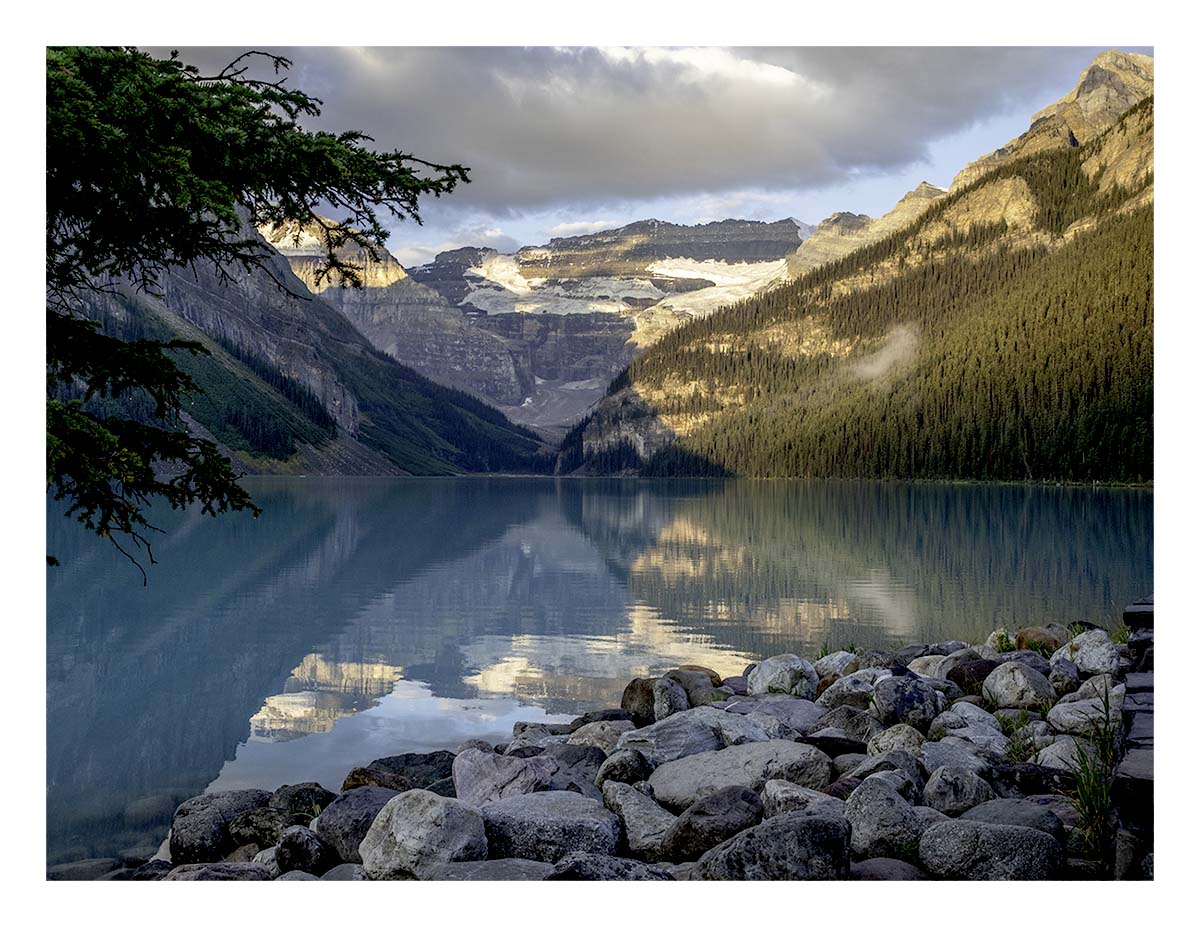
[(541, 127)]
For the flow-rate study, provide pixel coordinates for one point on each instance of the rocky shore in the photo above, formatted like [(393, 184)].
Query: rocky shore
[(1025, 756)]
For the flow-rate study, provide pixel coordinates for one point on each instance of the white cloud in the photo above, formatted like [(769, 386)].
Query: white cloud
[(567, 229)]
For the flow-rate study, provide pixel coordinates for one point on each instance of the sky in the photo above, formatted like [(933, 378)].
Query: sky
[(563, 141)]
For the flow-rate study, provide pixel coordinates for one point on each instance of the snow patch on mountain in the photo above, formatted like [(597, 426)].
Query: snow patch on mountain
[(731, 282)]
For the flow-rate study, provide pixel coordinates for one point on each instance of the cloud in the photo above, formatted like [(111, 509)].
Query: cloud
[(545, 128), (412, 253), (566, 229)]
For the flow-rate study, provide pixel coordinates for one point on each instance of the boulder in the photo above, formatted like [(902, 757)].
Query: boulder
[(927, 816), (910, 652), (1045, 639), (945, 648), (1064, 753), (417, 829), (697, 730), (697, 684), (483, 777), (802, 845), (679, 783), (1085, 717), (882, 823), (1015, 685), (1092, 652), (345, 821), (876, 659), (904, 700), (577, 768), (218, 872), (978, 851), (1018, 812), (601, 734), (623, 766), (200, 827), (301, 802), (300, 848), (970, 676), (1097, 687), (361, 776), (955, 659), (638, 699), (735, 684), (713, 676), (644, 823), (953, 790), (836, 664), (346, 872), (860, 725), (153, 871), (855, 690), (900, 782), (267, 858), (786, 674), (882, 869), (488, 870), (669, 698), (797, 714), (898, 761), (604, 714), (711, 820), (952, 751), (1035, 661), (1063, 676), (263, 826), (598, 867), (897, 737), (927, 665), (420, 770), (782, 797), (548, 825), (298, 875), (844, 763)]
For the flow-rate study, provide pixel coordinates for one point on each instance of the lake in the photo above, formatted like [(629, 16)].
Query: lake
[(361, 618)]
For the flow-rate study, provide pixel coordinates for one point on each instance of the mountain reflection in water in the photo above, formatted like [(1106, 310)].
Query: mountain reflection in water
[(361, 618)]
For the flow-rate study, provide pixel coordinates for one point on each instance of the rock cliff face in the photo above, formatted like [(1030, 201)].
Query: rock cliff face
[(1113, 83)]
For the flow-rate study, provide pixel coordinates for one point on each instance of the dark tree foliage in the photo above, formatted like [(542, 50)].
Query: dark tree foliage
[(151, 166)]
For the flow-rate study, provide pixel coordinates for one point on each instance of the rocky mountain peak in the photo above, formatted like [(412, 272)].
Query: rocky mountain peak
[(304, 247)]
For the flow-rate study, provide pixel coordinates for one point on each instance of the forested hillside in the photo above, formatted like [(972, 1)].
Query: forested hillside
[(1006, 334)]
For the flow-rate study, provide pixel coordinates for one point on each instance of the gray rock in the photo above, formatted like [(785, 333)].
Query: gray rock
[(1092, 652), (1063, 676), (860, 725), (679, 783), (903, 700), (698, 730), (152, 871), (263, 826), (711, 820), (782, 797), (1019, 813), (474, 744), (882, 823), (971, 675), (604, 714), (927, 816), (420, 770), (346, 872), (367, 776), (669, 698), (926, 665), (697, 684), (301, 802), (736, 684), (266, 858), (1084, 717), (200, 827), (953, 790), (836, 664), (1015, 685), (577, 768), (601, 734), (218, 872), (845, 762), (483, 777), (899, 761), (802, 845), (1035, 661), (786, 674), (597, 867), (978, 851), (798, 714), (300, 848), (953, 752), (345, 821), (489, 870), (713, 676), (1063, 754), (298, 875), (954, 659), (902, 737), (833, 742), (899, 782), (885, 870), (638, 699), (623, 766), (855, 690), (549, 825), (945, 648), (1096, 687), (417, 829), (644, 822)]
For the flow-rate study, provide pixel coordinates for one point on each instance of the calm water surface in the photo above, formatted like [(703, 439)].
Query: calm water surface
[(362, 618)]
